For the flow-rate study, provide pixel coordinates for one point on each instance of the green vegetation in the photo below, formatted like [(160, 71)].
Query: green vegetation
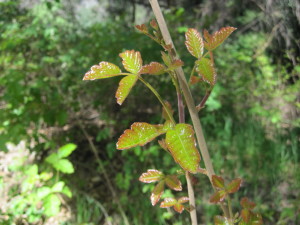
[(251, 119)]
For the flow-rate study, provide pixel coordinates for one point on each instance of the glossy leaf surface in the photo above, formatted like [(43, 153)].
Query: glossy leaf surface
[(234, 185), (194, 43), (132, 61), (183, 200), (157, 192), (101, 71), (218, 181), (205, 68), (212, 42), (153, 68), (181, 143), (168, 202), (173, 182), (151, 176), (125, 87), (138, 134)]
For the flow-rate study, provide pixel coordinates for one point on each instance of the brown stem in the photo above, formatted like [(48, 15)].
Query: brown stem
[(202, 103), (188, 97)]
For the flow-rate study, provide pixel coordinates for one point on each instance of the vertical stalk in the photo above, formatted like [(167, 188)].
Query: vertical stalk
[(187, 95)]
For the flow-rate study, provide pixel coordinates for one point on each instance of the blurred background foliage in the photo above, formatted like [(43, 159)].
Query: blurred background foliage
[(251, 121)]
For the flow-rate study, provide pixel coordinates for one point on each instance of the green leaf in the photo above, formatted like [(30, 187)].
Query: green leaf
[(157, 192), (58, 187), (42, 192), (153, 68), (175, 64), (151, 176), (234, 185), (66, 190), (221, 220), (166, 58), (205, 68), (168, 202), (101, 71), (125, 87), (246, 215), (132, 61), (212, 42), (66, 150), (138, 134), (173, 182), (194, 43), (64, 165), (218, 182), (51, 205), (52, 158), (178, 207), (181, 143), (183, 200), (218, 196)]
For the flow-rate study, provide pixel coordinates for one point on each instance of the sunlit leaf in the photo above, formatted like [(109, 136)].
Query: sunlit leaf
[(205, 68), (157, 192), (64, 165), (132, 61), (178, 207), (167, 126), (153, 68), (173, 182), (194, 42), (66, 150), (246, 204), (218, 182), (181, 143), (51, 205), (168, 202), (138, 134), (183, 200), (151, 176), (125, 87), (221, 220), (234, 185), (218, 196), (217, 38), (101, 71), (58, 187)]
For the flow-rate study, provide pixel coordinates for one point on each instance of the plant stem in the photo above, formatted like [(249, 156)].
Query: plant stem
[(229, 207), (187, 95), (159, 98)]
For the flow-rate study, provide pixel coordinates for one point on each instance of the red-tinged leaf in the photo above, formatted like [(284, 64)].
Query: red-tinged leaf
[(194, 43), (142, 28), (132, 61), (175, 64), (178, 207), (246, 215), (101, 71), (218, 182), (168, 47), (218, 196), (138, 134), (207, 36), (164, 112), (173, 182), (153, 68), (151, 176), (157, 192), (246, 204), (165, 57), (234, 185), (217, 38), (183, 200), (154, 24), (181, 143), (168, 202), (195, 80), (168, 125), (205, 68), (125, 87), (163, 144), (221, 220)]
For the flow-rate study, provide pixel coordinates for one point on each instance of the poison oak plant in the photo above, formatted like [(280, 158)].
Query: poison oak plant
[(177, 138)]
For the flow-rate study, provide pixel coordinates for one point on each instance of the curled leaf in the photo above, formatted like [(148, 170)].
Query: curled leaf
[(154, 24), (173, 182), (101, 71), (182, 145), (138, 134), (151, 176), (125, 87), (157, 192), (212, 42), (194, 42), (153, 68), (132, 61), (142, 28), (205, 68)]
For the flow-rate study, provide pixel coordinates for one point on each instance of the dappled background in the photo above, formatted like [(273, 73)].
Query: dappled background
[(58, 159)]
